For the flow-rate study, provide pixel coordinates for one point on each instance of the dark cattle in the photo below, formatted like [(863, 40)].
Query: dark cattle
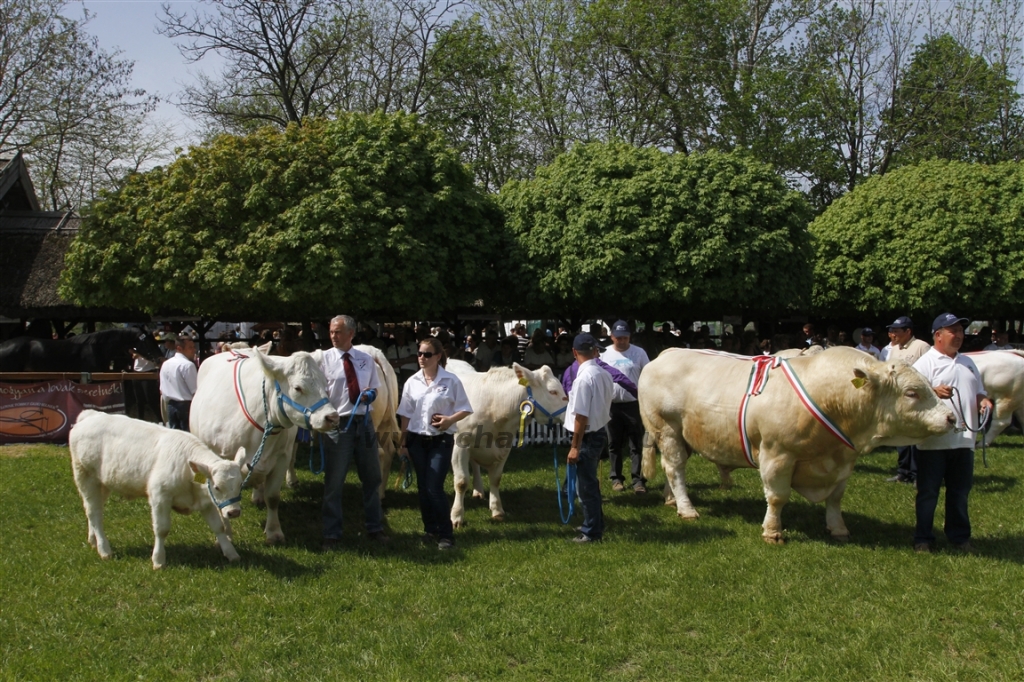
[(97, 352)]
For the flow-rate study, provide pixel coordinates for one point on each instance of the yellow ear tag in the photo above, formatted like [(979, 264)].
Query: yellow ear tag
[(858, 382), (523, 381), (199, 478)]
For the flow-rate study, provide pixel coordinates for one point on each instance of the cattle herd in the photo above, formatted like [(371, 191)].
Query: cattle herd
[(800, 418)]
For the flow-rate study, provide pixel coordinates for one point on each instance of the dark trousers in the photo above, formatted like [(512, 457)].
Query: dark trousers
[(146, 394), (432, 459), (906, 463), (177, 414), (359, 443), (955, 468), (587, 486), (626, 427)]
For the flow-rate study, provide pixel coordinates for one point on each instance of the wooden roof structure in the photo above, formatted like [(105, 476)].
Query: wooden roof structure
[(32, 248)]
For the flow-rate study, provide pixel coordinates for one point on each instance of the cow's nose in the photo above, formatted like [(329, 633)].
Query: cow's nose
[(234, 513), (332, 418), (951, 419)]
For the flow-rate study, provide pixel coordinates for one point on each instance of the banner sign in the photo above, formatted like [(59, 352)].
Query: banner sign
[(44, 412)]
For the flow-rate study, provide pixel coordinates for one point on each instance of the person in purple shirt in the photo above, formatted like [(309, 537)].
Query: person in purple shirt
[(617, 377)]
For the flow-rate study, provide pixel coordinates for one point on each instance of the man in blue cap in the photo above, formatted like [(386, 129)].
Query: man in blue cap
[(907, 348), (625, 427), (949, 458), (867, 336), (586, 415)]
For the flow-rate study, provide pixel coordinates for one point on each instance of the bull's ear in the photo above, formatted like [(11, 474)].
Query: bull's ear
[(240, 456), (200, 468), (267, 363), (860, 378), (318, 356), (524, 375), (265, 348)]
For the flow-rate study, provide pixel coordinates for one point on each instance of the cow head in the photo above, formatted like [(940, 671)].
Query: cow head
[(303, 382), (546, 389), (906, 408), (225, 482)]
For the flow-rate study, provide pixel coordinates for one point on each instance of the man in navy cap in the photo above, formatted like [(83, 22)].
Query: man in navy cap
[(586, 416), (907, 348), (867, 336), (625, 427), (949, 458)]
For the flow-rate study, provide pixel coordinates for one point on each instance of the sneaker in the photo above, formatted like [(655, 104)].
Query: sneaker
[(965, 548), (445, 544), (923, 548), (899, 478), (640, 489), (582, 539), (378, 537), (618, 487)]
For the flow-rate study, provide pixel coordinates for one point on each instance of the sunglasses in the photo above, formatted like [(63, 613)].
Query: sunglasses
[(421, 354)]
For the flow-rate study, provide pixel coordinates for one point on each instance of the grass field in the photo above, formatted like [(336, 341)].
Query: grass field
[(660, 599)]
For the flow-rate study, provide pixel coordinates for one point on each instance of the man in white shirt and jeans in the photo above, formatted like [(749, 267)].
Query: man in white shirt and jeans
[(586, 416), (625, 427), (949, 458), (178, 377)]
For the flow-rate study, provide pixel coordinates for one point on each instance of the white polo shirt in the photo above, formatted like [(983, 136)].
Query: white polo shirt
[(445, 395), (591, 396), (961, 373), (333, 366), (870, 348), (630, 362), (993, 346), (178, 378)]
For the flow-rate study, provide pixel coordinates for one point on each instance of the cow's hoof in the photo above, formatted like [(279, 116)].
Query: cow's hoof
[(461, 523), (670, 501), (275, 539), (234, 559), (689, 516), (774, 539), (157, 567), (477, 495), (500, 518), (840, 539), (291, 482)]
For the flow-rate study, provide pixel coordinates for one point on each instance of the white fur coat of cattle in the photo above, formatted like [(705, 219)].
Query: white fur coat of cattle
[(228, 413), (690, 401), (116, 454), (486, 436), (1002, 373)]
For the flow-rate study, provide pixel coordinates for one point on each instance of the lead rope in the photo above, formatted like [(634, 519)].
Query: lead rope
[(570, 483), (351, 416), (983, 423), (266, 434)]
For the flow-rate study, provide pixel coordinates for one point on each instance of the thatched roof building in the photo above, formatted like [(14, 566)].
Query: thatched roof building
[(32, 248)]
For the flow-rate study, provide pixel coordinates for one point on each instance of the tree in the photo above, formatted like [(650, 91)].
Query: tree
[(68, 104), (935, 236), (367, 213), (610, 228)]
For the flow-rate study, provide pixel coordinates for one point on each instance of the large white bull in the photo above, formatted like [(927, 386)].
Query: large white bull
[(1002, 373), (229, 411), (811, 420), (486, 436)]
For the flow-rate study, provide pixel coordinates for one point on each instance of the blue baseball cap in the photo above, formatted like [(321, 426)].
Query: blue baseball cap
[(620, 328), (584, 342), (901, 323), (948, 320), (867, 331)]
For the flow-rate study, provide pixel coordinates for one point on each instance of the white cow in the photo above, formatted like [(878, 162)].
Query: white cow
[(1002, 373), (229, 411), (690, 402), (134, 458), (486, 436), (382, 413)]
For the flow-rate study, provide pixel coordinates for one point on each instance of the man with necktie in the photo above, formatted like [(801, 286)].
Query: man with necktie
[(351, 386)]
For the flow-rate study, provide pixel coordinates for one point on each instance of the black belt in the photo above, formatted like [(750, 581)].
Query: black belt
[(179, 402), (440, 435)]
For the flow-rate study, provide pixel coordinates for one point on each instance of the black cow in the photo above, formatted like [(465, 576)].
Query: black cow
[(103, 351)]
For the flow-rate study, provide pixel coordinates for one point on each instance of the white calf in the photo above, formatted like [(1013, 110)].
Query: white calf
[(133, 458)]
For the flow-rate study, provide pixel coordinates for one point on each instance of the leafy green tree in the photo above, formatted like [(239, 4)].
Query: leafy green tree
[(366, 213), (936, 236), (611, 228)]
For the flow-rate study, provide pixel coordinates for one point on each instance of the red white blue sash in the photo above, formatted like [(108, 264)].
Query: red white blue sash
[(813, 408), (758, 380), (237, 358)]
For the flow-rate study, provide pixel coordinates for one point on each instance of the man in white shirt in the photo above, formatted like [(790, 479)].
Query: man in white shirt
[(1000, 341), (867, 337), (949, 458), (402, 355), (907, 348), (586, 416), (351, 387), (178, 382), (625, 426)]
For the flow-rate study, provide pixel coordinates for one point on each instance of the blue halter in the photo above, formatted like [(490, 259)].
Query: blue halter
[(538, 407), (306, 412), (225, 503)]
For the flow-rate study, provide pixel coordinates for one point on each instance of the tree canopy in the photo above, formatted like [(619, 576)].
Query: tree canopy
[(935, 236), (366, 213), (609, 228)]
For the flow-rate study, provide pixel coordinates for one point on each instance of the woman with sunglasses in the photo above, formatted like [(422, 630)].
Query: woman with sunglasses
[(433, 400)]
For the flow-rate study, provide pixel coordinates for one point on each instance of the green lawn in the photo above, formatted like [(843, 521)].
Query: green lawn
[(660, 599)]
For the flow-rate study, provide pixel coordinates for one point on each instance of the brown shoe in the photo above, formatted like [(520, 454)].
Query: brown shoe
[(923, 548), (618, 487), (378, 537), (640, 489), (965, 548)]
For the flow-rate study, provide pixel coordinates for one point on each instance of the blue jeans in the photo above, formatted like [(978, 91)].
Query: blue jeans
[(956, 468), (340, 448), (906, 462), (587, 485), (432, 459), (177, 414)]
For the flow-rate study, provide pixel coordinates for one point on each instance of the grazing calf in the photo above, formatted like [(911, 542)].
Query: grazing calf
[(133, 458)]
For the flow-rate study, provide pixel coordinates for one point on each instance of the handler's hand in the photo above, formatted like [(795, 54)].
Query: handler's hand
[(943, 391), (574, 455)]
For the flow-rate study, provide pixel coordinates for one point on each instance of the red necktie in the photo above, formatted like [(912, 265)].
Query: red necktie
[(350, 378)]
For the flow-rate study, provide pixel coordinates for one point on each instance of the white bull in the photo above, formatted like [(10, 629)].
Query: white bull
[(690, 402), (133, 458), (1002, 373), (486, 436), (229, 411)]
